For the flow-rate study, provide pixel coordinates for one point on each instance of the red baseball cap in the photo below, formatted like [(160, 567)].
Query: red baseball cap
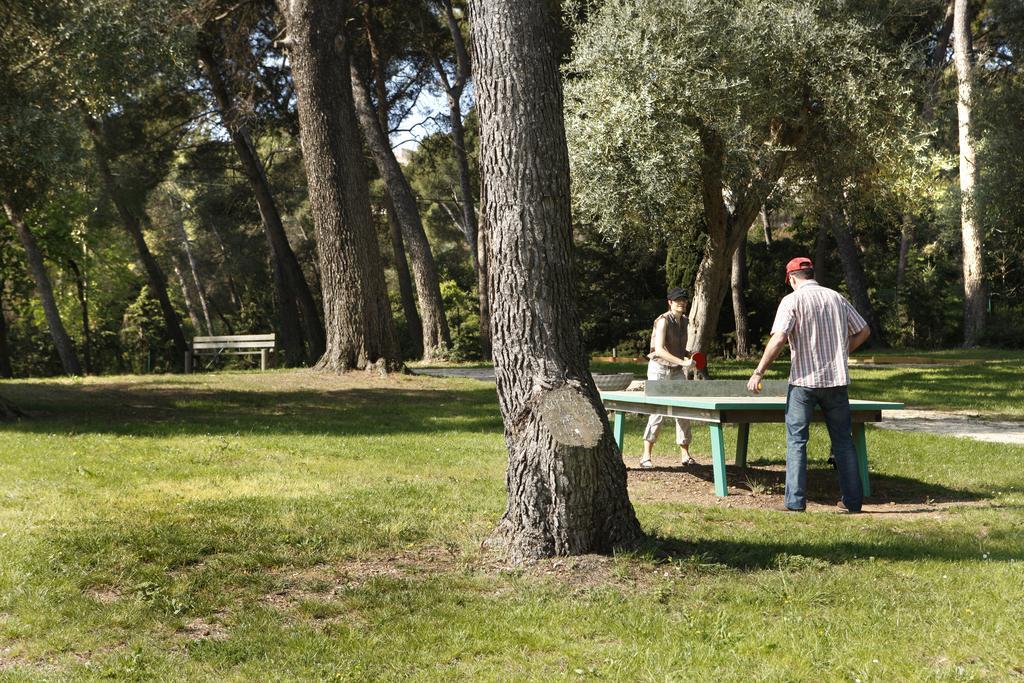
[(799, 263)]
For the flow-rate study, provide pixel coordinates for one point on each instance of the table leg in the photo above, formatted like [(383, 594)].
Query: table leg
[(718, 458), (741, 444), (617, 428), (860, 444)]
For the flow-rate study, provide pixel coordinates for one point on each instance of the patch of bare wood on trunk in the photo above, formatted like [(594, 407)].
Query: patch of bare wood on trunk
[(566, 479)]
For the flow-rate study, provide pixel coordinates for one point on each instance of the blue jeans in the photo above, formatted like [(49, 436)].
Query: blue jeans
[(835, 405)]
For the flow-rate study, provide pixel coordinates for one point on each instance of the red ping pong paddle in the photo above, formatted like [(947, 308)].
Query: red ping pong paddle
[(700, 361)]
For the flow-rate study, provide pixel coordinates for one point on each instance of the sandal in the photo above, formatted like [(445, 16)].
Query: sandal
[(688, 460), (646, 464)]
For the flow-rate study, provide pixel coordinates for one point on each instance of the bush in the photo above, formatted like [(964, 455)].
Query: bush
[(143, 336), (462, 311)]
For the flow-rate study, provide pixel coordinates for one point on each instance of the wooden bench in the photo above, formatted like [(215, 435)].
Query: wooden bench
[(243, 344)]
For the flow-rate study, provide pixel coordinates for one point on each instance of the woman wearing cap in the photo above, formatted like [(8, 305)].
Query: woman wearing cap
[(667, 359)]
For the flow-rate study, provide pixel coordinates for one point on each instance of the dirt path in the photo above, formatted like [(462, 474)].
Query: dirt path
[(966, 425), (962, 424)]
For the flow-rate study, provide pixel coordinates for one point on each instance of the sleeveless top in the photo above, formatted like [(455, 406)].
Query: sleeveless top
[(675, 335)]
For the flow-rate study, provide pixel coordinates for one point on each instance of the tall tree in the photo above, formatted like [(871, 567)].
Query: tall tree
[(436, 338), (38, 147), (132, 224), (81, 288), (380, 59), (294, 288), (739, 301), (566, 479), (454, 85), (357, 314), (736, 93), (44, 289), (975, 298)]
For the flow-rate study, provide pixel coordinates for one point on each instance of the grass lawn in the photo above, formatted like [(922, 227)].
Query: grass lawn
[(292, 526)]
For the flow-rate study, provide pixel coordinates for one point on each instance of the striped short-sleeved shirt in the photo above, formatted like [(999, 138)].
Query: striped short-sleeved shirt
[(818, 322)]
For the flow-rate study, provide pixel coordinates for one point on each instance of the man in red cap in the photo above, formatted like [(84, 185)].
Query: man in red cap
[(822, 328)]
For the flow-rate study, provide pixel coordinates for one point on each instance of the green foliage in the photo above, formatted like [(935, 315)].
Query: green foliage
[(620, 291), (142, 336), (462, 311), (646, 76)]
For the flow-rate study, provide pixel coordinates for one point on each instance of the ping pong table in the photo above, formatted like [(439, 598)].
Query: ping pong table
[(736, 406)]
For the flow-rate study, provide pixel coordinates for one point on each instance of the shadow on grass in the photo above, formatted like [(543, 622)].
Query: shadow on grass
[(749, 555), (148, 410), (823, 485)]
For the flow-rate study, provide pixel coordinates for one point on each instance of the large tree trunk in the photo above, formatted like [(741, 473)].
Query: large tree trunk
[(739, 300), (412, 317), (356, 308), (566, 479), (83, 305), (296, 288), (132, 225), (436, 338), (710, 286), (853, 272), (973, 262), (65, 349), (289, 331)]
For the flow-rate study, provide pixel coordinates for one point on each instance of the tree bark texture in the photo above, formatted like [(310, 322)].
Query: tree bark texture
[(297, 291), (853, 273), (971, 236), (412, 317), (289, 330), (133, 226), (482, 287), (566, 479), (739, 300), (436, 338), (357, 313), (44, 289)]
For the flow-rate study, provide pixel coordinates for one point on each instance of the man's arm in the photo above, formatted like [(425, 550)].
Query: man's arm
[(859, 338), (659, 346), (771, 352)]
